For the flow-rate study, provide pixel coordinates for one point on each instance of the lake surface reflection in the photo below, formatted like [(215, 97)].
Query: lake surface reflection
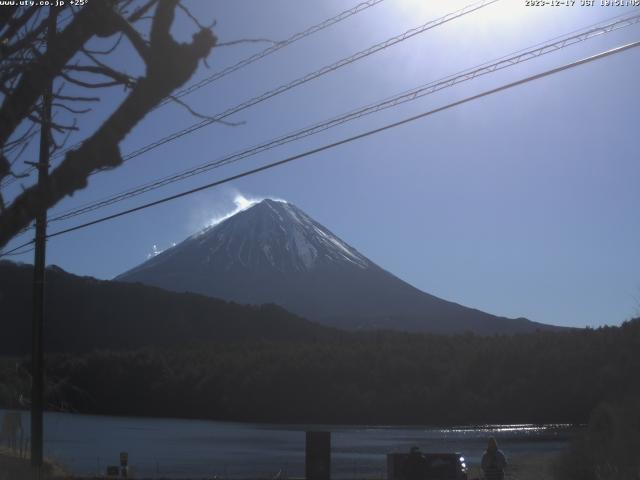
[(159, 447)]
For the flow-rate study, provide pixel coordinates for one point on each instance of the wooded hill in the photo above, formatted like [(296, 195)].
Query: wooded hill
[(137, 350), (374, 378), (84, 314)]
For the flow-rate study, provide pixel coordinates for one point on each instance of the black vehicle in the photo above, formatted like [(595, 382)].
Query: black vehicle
[(436, 466), (445, 466)]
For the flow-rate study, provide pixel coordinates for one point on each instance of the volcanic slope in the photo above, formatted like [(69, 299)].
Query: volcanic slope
[(273, 252)]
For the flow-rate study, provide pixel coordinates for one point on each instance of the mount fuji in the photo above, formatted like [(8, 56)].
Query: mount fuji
[(273, 252)]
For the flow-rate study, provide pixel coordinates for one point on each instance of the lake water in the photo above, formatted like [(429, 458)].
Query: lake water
[(86, 444)]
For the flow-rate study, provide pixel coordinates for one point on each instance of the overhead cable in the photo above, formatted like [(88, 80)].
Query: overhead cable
[(396, 100), (242, 63), (344, 141)]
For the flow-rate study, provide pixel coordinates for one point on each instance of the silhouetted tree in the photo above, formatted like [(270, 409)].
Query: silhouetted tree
[(27, 64)]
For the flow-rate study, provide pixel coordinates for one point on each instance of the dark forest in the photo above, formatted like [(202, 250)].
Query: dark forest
[(376, 377)]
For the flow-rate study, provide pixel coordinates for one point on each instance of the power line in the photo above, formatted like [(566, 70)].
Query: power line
[(353, 138), (306, 78), (9, 180), (237, 66), (504, 62), (15, 253), (274, 48), (257, 56), (312, 76)]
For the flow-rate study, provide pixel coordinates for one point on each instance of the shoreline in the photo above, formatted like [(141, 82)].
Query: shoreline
[(311, 424), (533, 466), (528, 461)]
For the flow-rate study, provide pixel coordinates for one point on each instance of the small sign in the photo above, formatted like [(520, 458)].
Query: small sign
[(124, 459)]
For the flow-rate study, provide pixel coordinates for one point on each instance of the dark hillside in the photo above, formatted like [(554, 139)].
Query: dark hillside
[(83, 314)]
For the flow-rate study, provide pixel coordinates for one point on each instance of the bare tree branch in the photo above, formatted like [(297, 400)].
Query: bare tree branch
[(169, 65), (109, 50), (5, 167), (140, 12), (58, 127), (24, 138), (76, 99), (82, 83), (69, 109), (194, 18), (62, 144), (118, 77), (17, 23), (28, 39), (24, 145), (138, 42), (202, 116), (6, 15), (17, 106)]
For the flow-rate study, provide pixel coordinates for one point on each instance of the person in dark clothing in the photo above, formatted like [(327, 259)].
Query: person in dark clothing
[(493, 461), (415, 465)]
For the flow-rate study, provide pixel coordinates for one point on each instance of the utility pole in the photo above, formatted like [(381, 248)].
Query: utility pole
[(37, 351)]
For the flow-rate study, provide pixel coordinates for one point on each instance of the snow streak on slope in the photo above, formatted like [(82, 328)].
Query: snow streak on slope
[(267, 234), (277, 233)]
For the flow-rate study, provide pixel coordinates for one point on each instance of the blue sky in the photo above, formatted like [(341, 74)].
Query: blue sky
[(520, 204)]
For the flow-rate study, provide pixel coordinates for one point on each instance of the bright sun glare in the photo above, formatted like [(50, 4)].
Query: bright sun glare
[(501, 11)]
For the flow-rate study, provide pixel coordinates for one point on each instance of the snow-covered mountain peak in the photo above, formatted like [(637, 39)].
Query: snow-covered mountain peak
[(283, 236), (265, 235), (270, 251)]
